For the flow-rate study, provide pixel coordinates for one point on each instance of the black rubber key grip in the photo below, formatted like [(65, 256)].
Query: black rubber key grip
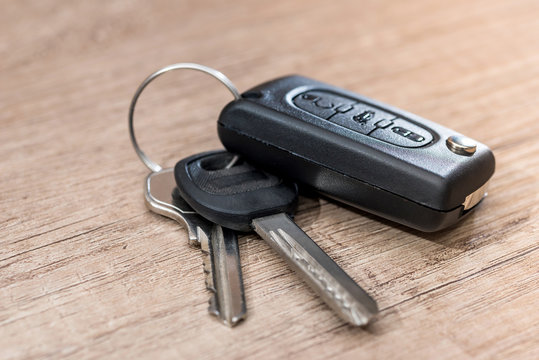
[(231, 192)]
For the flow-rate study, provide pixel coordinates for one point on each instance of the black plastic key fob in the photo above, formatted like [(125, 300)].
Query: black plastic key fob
[(357, 150)]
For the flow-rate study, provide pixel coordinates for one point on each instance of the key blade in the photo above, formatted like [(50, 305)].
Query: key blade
[(325, 277), (158, 196), (220, 247), (223, 275)]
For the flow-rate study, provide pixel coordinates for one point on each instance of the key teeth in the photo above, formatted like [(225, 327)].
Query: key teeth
[(208, 277), (212, 308), (220, 304)]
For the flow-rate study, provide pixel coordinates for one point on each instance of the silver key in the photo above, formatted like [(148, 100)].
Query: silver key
[(323, 275), (243, 198), (220, 246)]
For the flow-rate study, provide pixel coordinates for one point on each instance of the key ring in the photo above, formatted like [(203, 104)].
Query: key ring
[(153, 166)]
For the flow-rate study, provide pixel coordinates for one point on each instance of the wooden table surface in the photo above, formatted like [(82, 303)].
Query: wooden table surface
[(86, 271)]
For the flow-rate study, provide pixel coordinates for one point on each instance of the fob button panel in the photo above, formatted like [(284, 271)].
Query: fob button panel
[(363, 118)]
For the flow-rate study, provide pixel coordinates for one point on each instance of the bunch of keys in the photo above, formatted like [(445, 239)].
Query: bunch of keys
[(299, 128)]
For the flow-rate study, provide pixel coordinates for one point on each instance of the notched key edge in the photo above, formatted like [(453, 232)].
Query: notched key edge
[(226, 302)]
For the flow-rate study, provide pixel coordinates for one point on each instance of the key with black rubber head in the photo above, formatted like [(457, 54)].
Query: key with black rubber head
[(230, 192)]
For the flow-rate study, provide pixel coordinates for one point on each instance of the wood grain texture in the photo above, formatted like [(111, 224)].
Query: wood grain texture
[(86, 271)]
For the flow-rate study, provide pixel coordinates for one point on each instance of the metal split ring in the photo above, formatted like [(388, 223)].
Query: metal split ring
[(153, 166)]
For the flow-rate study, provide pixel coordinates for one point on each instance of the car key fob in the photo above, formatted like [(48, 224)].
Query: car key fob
[(359, 151)]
